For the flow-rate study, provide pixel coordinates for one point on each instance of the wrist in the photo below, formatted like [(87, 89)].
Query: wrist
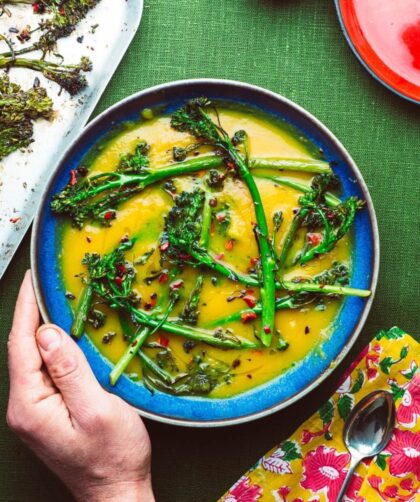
[(128, 491)]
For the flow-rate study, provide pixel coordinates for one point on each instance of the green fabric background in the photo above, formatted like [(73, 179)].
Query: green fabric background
[(295, 48)]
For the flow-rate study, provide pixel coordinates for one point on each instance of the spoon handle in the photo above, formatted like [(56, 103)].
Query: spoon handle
[(354, 462)]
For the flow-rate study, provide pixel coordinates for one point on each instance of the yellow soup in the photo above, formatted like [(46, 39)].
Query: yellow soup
[(143, 216)]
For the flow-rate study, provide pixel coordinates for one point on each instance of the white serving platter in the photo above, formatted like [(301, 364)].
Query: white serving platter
[(104, 37)]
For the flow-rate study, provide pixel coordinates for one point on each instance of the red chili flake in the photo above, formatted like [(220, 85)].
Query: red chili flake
[(134, 343), (109, 215), (185, 256), (220, 256), (164, 246), (162, 340), (177, 284), (163, 277), (230, 164), (62, 12), (153, 300), (15, 220), (121, 269), (36, 7), (250, 301), (314, 239), (25, 34), (118, 281), (254, 261), (220, 217), (248, 316), (229, 245), (267, 329)]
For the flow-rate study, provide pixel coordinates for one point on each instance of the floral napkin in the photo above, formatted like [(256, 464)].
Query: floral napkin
[(311, 465)]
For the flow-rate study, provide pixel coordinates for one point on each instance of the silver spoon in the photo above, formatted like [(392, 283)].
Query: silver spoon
[(368, 430)]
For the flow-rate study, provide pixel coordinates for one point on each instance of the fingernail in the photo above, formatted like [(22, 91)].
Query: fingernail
[(49, 338)]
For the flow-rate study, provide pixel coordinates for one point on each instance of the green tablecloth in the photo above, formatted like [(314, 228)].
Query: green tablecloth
[(295, 48)]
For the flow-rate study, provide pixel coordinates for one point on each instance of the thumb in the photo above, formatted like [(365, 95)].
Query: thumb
[(70, 371)]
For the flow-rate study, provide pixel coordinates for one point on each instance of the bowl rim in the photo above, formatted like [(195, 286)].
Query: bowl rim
[(348, 159)]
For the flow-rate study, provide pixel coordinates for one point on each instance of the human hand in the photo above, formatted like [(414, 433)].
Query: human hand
[(92, 440)]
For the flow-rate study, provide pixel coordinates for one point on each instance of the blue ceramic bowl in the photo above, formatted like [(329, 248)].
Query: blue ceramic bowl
[(298, 380)]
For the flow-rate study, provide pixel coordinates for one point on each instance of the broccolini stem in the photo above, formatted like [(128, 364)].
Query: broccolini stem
[(195, 334), (272, 163), (190, 312), (145, 360), (24, 50), (206, 222), (69, 77), (115, 180), (304, 166), (150, 177), (222, 340), (82, 312), (208, 260), (290, 237), (31, 64), (267, 288), (330, 199), (133, 348), (326, 289), (185, 167), (248, 280), (286, 302)]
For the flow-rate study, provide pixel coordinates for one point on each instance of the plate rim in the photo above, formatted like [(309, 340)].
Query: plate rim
[(357, 174), (364, 63)]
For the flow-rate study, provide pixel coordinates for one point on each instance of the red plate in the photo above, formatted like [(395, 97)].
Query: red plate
[(385, 36)]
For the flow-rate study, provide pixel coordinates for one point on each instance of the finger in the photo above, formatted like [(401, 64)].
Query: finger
[(24, 358), (70, 372)]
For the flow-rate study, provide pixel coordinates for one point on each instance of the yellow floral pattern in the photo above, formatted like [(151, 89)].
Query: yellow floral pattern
[(311, 465)]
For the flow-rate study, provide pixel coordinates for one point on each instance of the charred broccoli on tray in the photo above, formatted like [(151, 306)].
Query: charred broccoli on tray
[(60, 20), (18, 110)]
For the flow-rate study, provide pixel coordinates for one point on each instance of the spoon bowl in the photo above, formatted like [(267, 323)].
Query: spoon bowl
[(367, 430), (369, 426)]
